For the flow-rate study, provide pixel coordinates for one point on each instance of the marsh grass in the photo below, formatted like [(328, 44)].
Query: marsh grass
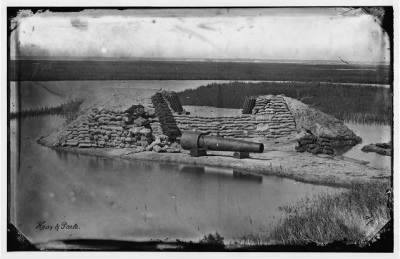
[(367, 118), (68, 109), (351, 216)]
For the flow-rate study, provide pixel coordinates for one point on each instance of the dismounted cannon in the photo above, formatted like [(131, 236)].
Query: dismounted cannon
[(198, 143)]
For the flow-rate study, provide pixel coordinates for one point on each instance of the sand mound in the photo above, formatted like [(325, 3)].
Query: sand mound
[(316, 122), (320, 132)]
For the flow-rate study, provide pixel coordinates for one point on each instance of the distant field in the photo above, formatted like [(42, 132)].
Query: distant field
[(53, 70)]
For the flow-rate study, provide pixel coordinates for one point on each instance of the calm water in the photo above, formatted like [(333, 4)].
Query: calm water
[(370, 134), (139, 200)]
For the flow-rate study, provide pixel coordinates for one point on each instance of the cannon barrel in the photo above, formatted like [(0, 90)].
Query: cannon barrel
[(225, 144), (197, 140)]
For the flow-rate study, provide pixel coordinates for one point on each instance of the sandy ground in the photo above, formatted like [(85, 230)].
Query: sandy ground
[(278, 158), (208, 111)]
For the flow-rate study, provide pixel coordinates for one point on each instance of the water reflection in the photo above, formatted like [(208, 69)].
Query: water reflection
[(227, 174), (192, 169), (120, 199)]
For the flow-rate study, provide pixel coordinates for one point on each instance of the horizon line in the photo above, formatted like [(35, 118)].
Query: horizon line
[(235, 60)]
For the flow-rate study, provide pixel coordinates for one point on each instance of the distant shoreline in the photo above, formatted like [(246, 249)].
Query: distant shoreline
[(266, 61), (207, 81), (58, 70)]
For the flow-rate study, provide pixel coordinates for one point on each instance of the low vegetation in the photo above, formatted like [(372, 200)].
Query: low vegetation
[(68, 109), (368, 118), (351, 216), (213, 239)]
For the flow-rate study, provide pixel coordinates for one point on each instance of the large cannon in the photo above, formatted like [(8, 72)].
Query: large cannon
[(198, 143)]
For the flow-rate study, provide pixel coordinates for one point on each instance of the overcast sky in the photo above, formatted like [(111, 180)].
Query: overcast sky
[(272, 34)]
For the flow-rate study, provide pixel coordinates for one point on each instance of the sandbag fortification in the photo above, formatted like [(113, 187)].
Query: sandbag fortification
[(102, 128), (158, 125)]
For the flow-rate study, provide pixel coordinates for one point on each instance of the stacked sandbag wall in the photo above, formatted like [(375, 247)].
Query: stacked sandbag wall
[(245, 126), (105, 128), (248, 105), (236, 127), (275, 109), (172, 99), (324, 144), (156, 127), (165, 116), (272, 119), (314, 145)]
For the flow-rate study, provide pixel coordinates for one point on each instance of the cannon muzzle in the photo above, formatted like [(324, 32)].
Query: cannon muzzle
[(198, 143)]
